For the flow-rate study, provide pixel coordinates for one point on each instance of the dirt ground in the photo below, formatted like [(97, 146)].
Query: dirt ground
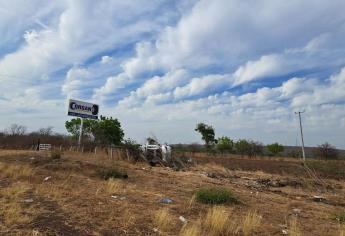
[(41, 196)]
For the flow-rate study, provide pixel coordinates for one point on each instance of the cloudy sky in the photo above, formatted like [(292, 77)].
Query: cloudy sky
[(162, 66)]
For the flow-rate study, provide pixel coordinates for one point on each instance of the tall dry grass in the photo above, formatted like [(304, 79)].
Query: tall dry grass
[(251, 222), (294, 228), (191, 229), (163, 219), (16, 171), (113, 186), (341, 230)]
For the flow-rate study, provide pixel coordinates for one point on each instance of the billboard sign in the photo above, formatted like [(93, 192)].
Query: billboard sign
[(82, 109)]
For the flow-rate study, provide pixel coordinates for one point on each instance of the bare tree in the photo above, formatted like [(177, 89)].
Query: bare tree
[(48, 131), (16, 130), (326, 151)]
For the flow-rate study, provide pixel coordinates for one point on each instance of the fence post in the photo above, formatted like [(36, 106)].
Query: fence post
[(95, 150), (111, 153)]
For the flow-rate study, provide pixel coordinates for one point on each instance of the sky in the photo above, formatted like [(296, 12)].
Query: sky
[(162, 66)]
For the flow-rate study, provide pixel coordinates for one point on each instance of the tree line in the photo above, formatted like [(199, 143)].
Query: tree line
[(252, 148)]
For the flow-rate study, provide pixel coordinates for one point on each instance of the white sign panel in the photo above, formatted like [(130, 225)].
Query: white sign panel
[(82, 109)]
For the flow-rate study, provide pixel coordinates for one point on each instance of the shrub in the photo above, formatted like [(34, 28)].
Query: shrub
[(113, 172), (224, 144), (55, 154), (215, 195), (275, 148), (339, 216), (327, 168)]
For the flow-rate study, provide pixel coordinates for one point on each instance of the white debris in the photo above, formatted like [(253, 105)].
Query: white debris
[(115, 197), (155, 230), (181, 218), (285, 231), (297, 211), (319, 199), (47, 178), (28, 200)]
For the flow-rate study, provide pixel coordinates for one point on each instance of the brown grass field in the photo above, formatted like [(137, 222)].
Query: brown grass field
[(275, 196)]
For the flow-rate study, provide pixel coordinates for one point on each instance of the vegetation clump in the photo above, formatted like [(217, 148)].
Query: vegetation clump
[(215, 195), (113, 173), (339, 216), (55, 154)]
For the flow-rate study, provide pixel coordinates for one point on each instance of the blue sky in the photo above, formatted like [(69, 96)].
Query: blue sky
[(160, 67)]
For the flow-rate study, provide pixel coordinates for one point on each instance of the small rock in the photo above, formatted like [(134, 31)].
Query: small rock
[(181, 218), (30, 200), (122, 198), (285, 231), (166, 200), (47, 178), (155, 230), (32, 158), (297, 211), (114, 196)]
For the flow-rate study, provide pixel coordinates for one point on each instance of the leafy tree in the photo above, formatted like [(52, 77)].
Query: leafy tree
[(207, 133), (243, 147), (225, 144), (108, 131), (73, 127), (275, 148), (326, 151)]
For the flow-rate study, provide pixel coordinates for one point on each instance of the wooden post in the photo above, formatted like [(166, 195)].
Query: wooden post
[(95, 150), (111, 153)]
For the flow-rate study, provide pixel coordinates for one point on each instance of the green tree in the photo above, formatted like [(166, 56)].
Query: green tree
[(275, 148), (108, 131), (73, 127), (225, 144), (243, 147), (207, 133)]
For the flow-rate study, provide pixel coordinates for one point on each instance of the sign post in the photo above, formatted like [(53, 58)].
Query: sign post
[(83, 110)]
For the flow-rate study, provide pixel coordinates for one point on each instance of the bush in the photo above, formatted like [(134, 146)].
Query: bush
[(327, 168), (275, 148), (112, 173), (55, 154), (339, 216), (215, 195)]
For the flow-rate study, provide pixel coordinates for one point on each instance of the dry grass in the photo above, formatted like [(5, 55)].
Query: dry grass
[(128, 219), (191, 202), (217, 222), (191, 230), (293, 227), (113, 186), (163, 219), (341, 231), (16, 171), (11, 209), (251, 222)]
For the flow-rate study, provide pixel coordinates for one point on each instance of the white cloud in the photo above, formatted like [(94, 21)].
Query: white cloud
[(266, 66), (75, 81), (106, 59)]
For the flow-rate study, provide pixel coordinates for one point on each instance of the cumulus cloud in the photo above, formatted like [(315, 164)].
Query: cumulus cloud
[(244, 67)]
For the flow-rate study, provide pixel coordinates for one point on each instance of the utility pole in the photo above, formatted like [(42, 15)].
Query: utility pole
[(300, 126), (80, 133)]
